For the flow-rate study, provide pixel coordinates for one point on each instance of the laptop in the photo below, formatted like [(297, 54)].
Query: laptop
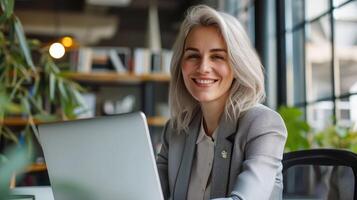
[(104, 158)]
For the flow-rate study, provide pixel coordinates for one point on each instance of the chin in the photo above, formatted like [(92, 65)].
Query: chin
[(203, 99)]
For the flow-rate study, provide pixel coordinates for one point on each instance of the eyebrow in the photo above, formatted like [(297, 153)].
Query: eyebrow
[(211, 50)]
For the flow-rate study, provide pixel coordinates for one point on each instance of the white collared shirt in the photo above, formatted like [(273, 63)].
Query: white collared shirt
[(200, 179)]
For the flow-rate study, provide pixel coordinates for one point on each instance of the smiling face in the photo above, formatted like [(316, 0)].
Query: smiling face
[(205, 67)]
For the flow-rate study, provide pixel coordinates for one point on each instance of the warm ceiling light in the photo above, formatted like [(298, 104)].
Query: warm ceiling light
[(67, 41), (57, 50)]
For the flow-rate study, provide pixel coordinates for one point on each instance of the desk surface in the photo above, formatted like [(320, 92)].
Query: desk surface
[(40, 192)]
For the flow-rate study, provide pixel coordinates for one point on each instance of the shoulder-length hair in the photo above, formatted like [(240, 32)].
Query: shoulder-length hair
[(248, 86)]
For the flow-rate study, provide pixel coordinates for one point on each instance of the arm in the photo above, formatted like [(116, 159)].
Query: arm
[(264, 148), (162, 162)]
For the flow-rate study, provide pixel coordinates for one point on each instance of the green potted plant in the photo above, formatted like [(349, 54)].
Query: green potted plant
[(337, 137), (31, 85), (299, 136)]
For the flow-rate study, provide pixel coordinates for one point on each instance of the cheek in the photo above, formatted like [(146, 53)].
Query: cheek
[(226, 72), (185, 73), (186, 69), (228, 80), (186, 66)]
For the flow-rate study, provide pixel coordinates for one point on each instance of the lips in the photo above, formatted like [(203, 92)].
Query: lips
[(204, 81)]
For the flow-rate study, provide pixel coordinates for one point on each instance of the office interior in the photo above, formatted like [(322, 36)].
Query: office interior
[(116, 55)]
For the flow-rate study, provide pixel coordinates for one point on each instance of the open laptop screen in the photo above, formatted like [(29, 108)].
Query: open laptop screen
[(103, 158)]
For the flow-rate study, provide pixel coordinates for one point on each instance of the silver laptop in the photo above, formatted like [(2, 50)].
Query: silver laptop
[(103, 158)]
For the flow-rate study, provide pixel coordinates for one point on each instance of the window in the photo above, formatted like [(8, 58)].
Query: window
[(243, 10), (320, 40)]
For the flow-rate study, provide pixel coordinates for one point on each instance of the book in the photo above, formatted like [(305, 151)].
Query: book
[(111, 59), (166, 56), (89, 108), (155, 62), (85, 59), (116, 61), (142, 61)]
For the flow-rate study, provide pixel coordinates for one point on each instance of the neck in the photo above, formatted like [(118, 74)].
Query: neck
[(212, 112)]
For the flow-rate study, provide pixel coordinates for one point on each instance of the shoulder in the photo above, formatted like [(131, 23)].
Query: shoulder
[(261, 119), (259, 112), (170, 131), (168, 128)]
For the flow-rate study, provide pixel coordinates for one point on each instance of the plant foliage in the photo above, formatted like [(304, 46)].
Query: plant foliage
[(30, 87), (298, 129)]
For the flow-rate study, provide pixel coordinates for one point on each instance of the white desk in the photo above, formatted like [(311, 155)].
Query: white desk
[(40, 192)]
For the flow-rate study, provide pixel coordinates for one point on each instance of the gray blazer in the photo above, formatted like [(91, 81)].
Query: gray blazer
[(247, 157)]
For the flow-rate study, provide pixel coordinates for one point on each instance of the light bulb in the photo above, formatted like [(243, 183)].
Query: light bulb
[(67, 41), (57, 50)]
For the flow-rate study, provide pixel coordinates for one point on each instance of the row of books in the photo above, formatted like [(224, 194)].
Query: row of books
[(120, 59)]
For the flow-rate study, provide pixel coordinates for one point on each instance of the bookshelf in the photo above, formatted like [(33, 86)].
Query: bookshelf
[(149, 89), (31, 168), (18, 121), (112, 77), (147, 84), (36, 167)]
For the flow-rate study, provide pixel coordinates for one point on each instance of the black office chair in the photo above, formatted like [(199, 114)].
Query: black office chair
[(329, 174)]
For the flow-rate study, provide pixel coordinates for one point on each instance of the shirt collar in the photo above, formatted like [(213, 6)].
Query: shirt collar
[(202, 134)]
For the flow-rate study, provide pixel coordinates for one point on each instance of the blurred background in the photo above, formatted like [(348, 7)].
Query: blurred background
[(118, 52)]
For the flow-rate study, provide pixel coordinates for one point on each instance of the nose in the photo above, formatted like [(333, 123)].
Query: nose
[(204, 65)]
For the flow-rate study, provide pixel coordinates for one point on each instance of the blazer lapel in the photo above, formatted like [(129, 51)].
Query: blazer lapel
[(222, 157), (184, 172)]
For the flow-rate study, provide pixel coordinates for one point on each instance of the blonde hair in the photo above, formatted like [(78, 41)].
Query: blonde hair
[(248, 86)]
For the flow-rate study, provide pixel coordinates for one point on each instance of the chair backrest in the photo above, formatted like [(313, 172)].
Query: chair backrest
[(320, 174)]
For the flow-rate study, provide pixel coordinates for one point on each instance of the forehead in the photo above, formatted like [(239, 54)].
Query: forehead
[(205, 36)]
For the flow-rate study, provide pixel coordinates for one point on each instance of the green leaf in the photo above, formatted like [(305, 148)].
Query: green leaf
[(8, 134), (36, 85), (14, 108), (46, 117), (23, 43), (33, 127), (2, 38), (12, 35), (34, 43), (52, 86), (4, 100), (298, 129), (7, 6), (17, 161), (29, 141), (67, 108), (354, 148), (26, 106), (62, 89), (79, 98), (2, 18), (36, 101), (16, 87)]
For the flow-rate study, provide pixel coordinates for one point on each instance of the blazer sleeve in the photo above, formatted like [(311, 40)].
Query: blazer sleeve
[(162, 162), (264, 148)]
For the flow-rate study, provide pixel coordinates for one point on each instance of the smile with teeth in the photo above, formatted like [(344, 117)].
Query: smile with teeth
[(204, 81)]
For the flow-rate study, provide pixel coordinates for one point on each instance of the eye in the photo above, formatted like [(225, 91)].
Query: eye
[(192, 56), (217, 57)]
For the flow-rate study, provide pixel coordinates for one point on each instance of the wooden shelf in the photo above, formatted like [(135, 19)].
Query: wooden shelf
[(35, 168), (17, 121), (157, 121), (112, 77)]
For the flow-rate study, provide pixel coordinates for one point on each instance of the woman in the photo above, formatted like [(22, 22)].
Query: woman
[(220, 142)]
